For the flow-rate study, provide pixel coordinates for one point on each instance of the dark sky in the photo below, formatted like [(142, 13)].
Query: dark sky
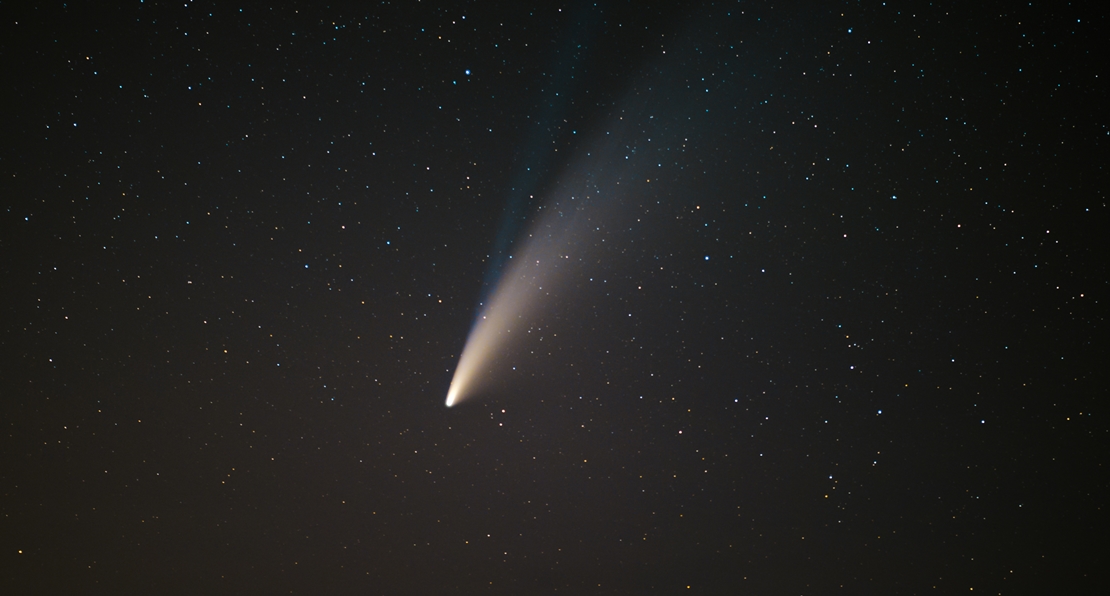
[(839, 325)]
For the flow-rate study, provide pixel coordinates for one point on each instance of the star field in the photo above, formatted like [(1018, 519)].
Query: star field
[(829, 314)]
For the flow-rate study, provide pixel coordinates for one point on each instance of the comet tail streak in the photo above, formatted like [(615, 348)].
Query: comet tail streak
[(585, 207), (521, 288)]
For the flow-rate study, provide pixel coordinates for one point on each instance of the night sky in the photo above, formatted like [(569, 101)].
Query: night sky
[(830, 318)]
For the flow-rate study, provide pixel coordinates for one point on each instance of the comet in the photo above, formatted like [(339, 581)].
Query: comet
[(594, 200), (526, 284)]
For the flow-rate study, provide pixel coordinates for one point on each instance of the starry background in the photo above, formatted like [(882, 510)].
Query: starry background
[(843, 329)]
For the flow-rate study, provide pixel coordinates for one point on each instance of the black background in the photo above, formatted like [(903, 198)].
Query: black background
[(851, 338)]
